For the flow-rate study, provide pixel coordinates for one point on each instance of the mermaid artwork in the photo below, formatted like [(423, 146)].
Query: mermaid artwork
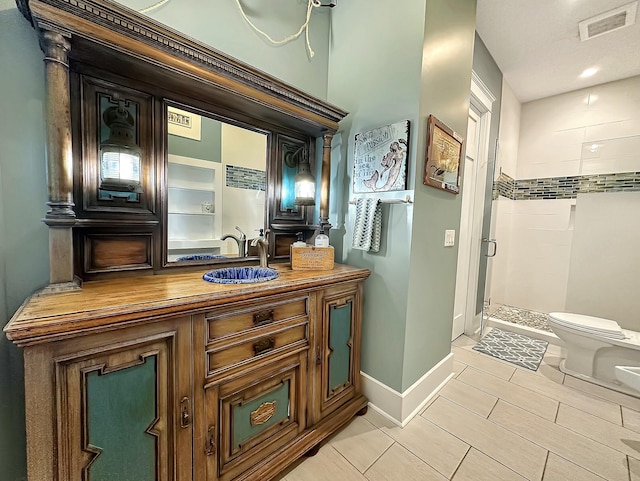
[(392, 166)]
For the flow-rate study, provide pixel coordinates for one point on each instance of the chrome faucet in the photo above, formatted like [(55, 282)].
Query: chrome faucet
[(263, 247), (241, 241)]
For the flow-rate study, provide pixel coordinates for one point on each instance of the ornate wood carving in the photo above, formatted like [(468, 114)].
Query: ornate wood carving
[(59, 153), (82, 17), (326, 182), (60, 216), (264, 412)]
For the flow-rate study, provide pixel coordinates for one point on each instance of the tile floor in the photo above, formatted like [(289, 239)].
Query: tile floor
[(492, 422)]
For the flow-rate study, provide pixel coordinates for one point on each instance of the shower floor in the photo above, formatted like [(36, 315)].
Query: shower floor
[(522, 317)]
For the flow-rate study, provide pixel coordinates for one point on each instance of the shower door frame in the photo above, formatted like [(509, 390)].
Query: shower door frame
[(481, 103)]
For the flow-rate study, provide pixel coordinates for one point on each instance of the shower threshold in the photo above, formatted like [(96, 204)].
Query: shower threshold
[(523, 321)]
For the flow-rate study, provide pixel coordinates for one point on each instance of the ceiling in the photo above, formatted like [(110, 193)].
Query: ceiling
[(536, 44)]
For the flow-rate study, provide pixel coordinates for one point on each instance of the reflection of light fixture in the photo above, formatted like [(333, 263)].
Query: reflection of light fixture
[(594, 147), (305, 184), (119, 154)]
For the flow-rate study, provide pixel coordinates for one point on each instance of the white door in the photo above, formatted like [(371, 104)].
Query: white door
[(465, 319)]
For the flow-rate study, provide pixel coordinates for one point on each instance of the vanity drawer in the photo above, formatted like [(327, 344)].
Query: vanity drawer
[(221, 323), (230, 355)]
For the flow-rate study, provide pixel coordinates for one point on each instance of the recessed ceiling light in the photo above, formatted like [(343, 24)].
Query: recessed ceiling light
[(589, 72)]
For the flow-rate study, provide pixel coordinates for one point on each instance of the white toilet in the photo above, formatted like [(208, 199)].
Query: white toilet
[(595, 347)]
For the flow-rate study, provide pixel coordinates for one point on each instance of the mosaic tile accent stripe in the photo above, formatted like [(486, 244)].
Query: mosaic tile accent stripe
[(504, 186), (244, 178), (565, 187)]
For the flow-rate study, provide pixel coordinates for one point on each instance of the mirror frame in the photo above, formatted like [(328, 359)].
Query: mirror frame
[(110, 42)]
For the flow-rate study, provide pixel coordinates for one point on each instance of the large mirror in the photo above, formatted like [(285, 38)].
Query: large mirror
[(216, 187)]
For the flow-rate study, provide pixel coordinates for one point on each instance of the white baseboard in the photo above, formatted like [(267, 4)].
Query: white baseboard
[(400, 408)]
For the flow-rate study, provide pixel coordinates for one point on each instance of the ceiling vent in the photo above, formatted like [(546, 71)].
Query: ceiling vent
[(609, 21)]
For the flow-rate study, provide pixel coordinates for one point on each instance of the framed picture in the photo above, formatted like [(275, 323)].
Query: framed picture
[(444, 157), (183, 123), (381, 157)]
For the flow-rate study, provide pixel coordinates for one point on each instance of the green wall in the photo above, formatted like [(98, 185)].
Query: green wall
[(209, 147), (220, 25), (24, 261), (446, 83), (376, 77), (381, 75)]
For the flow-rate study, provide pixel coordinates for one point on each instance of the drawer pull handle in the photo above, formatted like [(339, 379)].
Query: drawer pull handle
[(264, 345), (210, 446), (185, 416), (263, 317), (264, 412)]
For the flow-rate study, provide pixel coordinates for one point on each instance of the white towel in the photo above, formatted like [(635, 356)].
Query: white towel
[(368, 224)]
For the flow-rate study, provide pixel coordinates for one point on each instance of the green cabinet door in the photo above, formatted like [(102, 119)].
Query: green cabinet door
[(339, 347), (122, 410)]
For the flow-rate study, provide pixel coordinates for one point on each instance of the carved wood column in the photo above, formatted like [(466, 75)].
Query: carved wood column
[(60, 216), (325, 183)]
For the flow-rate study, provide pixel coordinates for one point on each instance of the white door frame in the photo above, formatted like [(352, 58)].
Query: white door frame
[(481, 103)]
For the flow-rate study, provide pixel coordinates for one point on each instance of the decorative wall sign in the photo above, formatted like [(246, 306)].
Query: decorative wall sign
[(444, 156), (183, 123), (381, 157)]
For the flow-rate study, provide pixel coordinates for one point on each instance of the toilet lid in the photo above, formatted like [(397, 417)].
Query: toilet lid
[(596, 325)]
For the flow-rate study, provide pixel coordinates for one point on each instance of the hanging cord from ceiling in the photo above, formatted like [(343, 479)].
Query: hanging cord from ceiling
[(305, 26), (154, 6)]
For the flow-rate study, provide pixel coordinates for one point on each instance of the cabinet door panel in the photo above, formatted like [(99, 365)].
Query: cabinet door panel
[(337, 349), (252, 418), (253, 415), (119, 411), (339, 346)]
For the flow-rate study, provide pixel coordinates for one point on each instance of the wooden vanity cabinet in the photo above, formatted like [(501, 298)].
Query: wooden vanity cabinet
[(170, 378)]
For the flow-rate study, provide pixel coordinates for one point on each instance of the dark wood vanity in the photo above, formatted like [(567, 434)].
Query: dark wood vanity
[(135, 367)]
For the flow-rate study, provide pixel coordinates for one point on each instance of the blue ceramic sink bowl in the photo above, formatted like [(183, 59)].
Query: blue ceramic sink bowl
[(240, 275)]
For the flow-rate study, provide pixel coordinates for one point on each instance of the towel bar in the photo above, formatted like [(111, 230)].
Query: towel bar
[(406, 200)]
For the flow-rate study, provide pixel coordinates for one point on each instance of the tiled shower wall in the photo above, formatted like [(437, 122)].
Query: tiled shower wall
[(243, 155), (582, 142)]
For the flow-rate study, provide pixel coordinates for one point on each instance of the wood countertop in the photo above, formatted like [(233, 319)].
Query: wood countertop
[(104, 305)]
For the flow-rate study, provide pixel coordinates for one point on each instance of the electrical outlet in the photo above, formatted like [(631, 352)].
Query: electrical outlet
[(449, 238)]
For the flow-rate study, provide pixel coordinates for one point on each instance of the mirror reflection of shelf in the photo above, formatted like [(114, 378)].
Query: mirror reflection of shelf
[(193, 200)]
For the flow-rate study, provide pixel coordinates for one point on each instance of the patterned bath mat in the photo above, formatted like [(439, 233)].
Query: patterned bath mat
[(514, 348)]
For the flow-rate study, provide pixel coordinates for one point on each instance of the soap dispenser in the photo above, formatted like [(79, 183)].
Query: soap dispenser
[(322, 240), (300, 242)]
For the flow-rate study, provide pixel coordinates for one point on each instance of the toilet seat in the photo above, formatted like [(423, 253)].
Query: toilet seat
[(588, 324)]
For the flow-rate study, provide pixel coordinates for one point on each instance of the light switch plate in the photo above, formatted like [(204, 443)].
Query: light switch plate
[(449, 238)]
